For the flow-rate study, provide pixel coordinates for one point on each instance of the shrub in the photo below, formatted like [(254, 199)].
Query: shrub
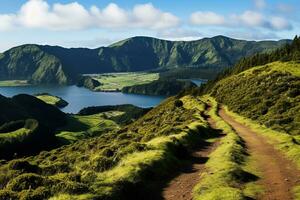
[(178, 103), (22, 165), (27, 181)]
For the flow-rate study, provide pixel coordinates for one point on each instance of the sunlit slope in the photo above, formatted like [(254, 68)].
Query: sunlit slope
[(269, 94)]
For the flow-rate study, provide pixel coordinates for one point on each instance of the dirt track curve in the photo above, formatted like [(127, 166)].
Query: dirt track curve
[(279, 175), (181, 187)]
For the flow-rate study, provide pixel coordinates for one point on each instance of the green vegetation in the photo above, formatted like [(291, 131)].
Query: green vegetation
[(88, 82), (160, 87), (82, 127), (117, 81), (125, 114), (229, 175), (12, 83), (52, 100), (27, 121), (288, 52), (114, 164), (56, 65), (269, 94)]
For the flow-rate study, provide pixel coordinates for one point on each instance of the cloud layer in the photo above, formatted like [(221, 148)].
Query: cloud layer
[(248, 18), (74, 16)]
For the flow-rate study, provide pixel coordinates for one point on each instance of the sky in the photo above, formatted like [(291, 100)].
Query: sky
[(95, 23)]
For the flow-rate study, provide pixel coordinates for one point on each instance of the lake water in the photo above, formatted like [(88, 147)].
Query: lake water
[(79, 98), (199, 82)]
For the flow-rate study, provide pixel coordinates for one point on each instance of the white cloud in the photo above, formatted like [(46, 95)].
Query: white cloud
[(260, 4), (248, 19), (74, 16), (146, 15), (207, 18), (179, 34), (280, 23), (7, 22)]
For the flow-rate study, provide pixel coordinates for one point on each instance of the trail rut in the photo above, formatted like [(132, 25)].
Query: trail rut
[(181, 187), (279, 175)]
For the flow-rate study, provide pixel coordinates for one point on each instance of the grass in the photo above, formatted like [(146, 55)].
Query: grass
[(52, 100), (114, 164), (286, 67), (116, 81), (49, 99), (226, 168), (269, 94), (13, 83), (81, 127)]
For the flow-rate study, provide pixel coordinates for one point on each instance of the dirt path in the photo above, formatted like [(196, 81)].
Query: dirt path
[(181, 187), (279, 175)]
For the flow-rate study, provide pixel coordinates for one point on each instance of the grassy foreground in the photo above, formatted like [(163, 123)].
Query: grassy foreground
[(228, 169), (117, 164)]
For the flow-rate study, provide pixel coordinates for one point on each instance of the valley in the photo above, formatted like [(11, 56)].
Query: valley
[(235, 137)]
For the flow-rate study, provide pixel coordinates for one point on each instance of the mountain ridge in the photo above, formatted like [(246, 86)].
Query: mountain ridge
[(44, 64)]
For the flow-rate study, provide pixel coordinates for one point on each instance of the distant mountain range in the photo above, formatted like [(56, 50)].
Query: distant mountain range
[(58, 65)]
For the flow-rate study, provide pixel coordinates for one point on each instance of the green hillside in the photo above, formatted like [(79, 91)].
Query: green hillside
[(160, 87), (26, 121), (269, 94), (57, 65)]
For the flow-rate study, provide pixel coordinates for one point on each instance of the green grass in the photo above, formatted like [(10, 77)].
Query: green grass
[(114, 162), (13, 83), (81, 127), (52, 100), (286, 67), (22, 132), (226, 167), (269, 94), (49, 99), (116, 81)]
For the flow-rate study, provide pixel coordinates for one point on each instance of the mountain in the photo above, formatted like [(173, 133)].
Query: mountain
[(58, 65)]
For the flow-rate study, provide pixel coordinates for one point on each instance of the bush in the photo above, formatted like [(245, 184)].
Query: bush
[(27, 181), (22, 165), (178, 103)]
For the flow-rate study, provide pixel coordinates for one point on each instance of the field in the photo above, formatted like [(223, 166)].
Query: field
[(52, 100), (81, 127), (13, 83), (116, 81)]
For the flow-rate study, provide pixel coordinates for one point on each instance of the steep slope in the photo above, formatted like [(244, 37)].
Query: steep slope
[(30, 62), (269, 94), (57, 65)]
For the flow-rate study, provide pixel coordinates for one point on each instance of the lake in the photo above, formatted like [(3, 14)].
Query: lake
[(79, 98)]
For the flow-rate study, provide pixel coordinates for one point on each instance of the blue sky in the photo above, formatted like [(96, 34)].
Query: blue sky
[(94, 23)]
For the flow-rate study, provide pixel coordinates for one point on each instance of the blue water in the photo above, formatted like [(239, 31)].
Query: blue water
[(79, 98), (199, 82)]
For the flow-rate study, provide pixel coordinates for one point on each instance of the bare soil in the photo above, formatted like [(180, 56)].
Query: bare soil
[(181, 186), (279, 175)]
